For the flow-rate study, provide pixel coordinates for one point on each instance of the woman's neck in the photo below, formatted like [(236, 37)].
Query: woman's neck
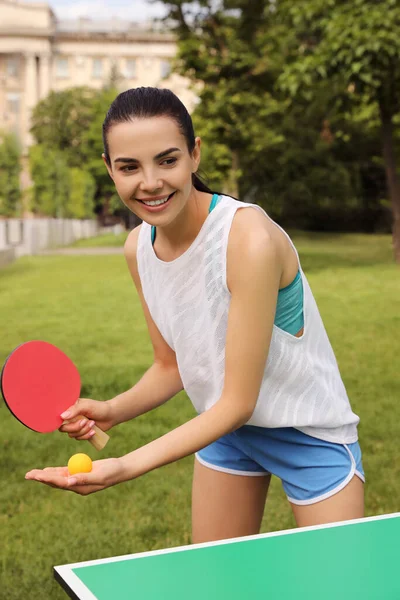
[(174, 239)]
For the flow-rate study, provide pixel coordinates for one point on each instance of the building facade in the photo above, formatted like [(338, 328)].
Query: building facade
[(40, 54)]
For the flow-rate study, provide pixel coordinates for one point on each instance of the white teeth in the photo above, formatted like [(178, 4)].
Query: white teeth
[(155, 202)]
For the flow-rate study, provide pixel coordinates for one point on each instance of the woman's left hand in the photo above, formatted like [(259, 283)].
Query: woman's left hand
[(104, 474)]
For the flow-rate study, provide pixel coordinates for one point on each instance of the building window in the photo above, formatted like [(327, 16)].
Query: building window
[(13, 104), (97, 70), (130, 68), (12, 66), (62, 67), (165, 68)]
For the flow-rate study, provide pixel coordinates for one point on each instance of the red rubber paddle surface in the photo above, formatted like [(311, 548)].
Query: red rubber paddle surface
[(38, 383)]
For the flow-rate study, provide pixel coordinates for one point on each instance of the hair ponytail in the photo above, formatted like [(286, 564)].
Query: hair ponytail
[(199, 184)]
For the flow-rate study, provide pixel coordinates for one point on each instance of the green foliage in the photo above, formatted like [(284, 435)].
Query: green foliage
[(92, 144), (59, 120), (291, 97), (355, 43), (58, 190), (81, 195), (51, 178), (67, 126), (356, 47), (10, 169), (228, 54), (289, 130)]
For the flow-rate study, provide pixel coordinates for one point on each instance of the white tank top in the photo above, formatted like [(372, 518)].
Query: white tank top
[(189, 300)]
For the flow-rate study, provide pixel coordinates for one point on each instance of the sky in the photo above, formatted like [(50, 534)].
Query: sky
[(132, 10)]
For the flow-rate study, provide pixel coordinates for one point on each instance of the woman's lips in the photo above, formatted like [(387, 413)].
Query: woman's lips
[(158, 208)]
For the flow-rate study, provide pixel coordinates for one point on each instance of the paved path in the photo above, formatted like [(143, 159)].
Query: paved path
[(83, 251)]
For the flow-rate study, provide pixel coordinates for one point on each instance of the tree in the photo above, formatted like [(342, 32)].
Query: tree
[(59, 120), (257, 143), (81, 195), (355, 46), (51, 177), (10, 168), (92, 147), (224, 49), (68, 124)]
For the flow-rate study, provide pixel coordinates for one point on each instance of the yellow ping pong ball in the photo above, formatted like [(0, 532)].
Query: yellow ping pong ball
[(79, 463)]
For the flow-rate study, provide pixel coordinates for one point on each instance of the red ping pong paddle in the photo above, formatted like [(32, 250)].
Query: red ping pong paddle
[(38, 383)]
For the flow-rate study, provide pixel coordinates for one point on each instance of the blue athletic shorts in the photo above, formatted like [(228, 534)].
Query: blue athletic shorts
[(310, 469)]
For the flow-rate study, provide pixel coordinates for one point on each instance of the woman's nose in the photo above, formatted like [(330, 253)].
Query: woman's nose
[(150, 182)]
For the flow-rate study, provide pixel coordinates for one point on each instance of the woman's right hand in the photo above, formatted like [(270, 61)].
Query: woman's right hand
[(81, 416)]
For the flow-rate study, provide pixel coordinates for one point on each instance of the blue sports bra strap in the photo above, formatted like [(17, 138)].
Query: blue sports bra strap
[(214, 202)]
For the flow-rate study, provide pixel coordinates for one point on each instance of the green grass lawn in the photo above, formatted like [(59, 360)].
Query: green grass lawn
[(88, 306), (109, 240)]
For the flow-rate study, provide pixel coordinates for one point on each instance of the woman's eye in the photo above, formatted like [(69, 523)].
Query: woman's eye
[(131, 168), (169, 161), (128, 168)]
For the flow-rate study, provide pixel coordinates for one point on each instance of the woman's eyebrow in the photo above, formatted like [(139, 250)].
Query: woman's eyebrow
[(159, 155)]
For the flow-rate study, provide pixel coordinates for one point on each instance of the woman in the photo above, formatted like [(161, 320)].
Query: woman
[(232, 321)]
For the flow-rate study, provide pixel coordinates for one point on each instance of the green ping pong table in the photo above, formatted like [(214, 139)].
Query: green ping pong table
[(353, 560)]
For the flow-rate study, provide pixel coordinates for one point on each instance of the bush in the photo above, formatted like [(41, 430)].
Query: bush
[(50, 174), (10, 168), (58, 190), (81, 195)]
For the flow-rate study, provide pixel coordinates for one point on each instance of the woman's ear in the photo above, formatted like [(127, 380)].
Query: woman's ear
[(196, 155), (103, 156)]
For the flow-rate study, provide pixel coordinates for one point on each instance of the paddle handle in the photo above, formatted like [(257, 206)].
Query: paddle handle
[(99, 439)]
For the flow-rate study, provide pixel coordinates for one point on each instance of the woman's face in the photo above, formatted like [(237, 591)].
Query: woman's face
[(151, 167)]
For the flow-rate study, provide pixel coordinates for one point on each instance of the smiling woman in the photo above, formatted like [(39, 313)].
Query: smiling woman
[(233, 321), (152, 155)]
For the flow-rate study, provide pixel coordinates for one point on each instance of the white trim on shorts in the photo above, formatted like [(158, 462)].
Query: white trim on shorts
[(341, 486), (231, 471)]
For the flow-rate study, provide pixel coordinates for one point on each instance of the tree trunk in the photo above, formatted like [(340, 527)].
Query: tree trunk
[(393, 181)]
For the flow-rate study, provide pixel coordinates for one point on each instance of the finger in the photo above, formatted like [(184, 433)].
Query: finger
[(60, 481), (84, 426), (63, 471), (74, 425), (32, 474), (75, 410), (40, 473), (87, 435)]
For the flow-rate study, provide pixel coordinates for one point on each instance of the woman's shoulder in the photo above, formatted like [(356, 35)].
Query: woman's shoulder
[(254, 232), (131, 242), (252, 222), (251, 236)]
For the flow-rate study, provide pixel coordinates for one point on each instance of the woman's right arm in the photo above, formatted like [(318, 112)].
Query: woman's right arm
[(162, 380), (159, 383)]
